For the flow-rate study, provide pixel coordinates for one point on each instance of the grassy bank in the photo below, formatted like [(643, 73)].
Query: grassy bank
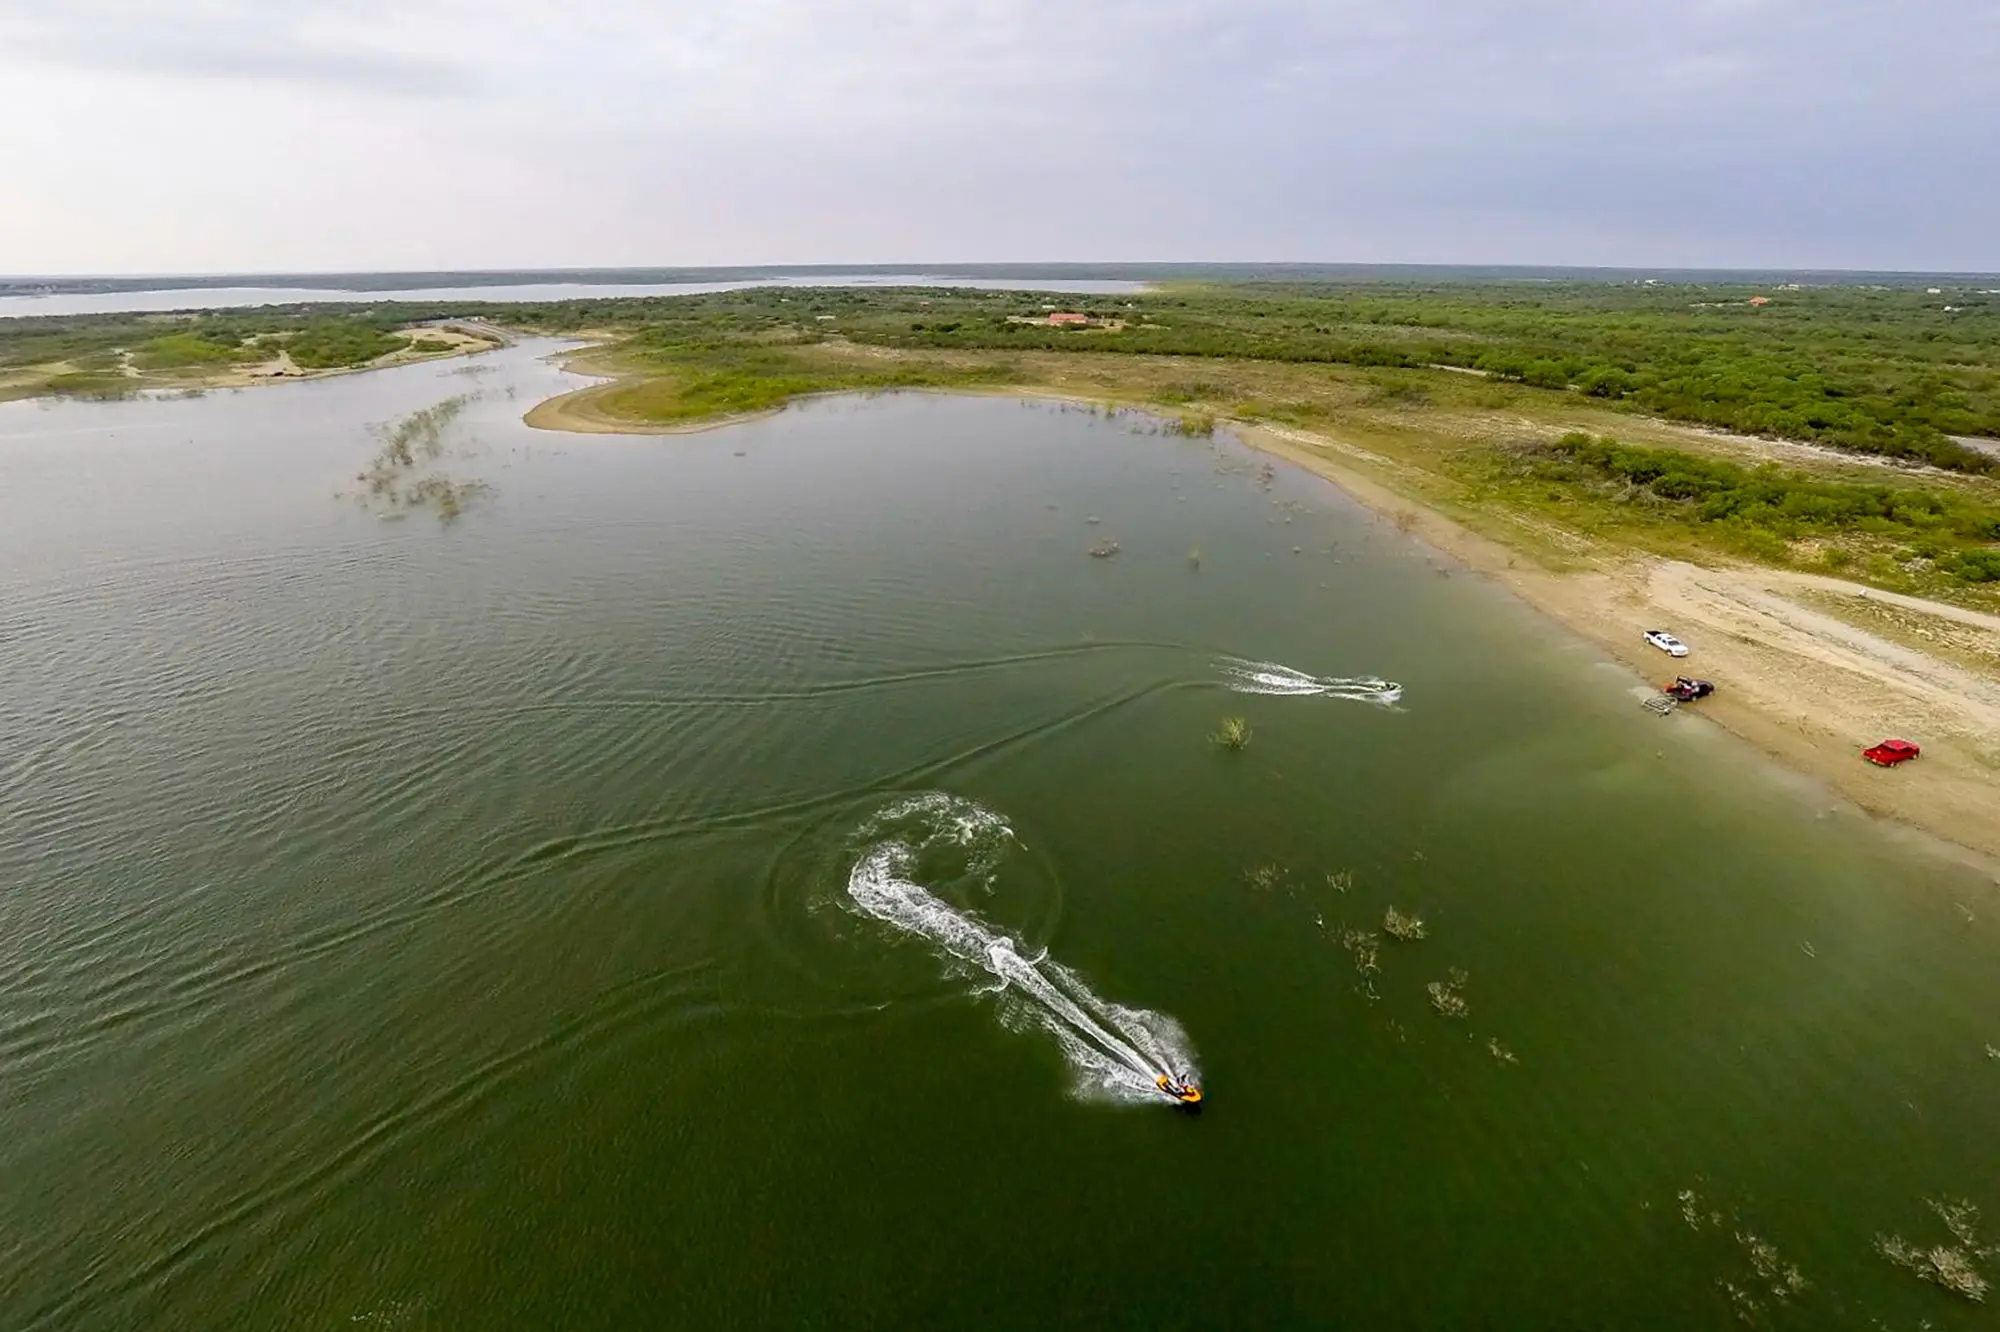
[(667, 380), (1893, 372)]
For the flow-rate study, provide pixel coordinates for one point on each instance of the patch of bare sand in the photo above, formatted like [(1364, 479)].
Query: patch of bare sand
[(1810, 688)]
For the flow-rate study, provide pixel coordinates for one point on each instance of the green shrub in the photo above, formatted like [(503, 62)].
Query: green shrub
[(1709, 490), (174, 351), (88, 384), (330, 345), (1974, 566)]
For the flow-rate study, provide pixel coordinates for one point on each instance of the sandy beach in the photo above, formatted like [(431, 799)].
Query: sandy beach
[(583, 413)]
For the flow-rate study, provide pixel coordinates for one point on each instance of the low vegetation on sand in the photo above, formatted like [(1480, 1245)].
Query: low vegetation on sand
[(194, 348), (1894, 371), (113, 355), (1765, 510), (326, 344), (672, 380)]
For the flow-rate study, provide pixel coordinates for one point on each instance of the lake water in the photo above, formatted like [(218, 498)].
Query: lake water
[(750, 880), (470, 297)]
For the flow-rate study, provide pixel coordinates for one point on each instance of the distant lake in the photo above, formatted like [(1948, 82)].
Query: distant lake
[(752, 879), (226, 298)]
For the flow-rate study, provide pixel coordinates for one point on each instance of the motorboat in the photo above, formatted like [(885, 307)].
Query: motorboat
[(1183, 1094)]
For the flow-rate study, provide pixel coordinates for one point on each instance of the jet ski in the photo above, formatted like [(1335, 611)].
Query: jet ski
[(1183, 1094)]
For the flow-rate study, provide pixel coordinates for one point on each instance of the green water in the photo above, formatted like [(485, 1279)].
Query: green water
[(454, 927)]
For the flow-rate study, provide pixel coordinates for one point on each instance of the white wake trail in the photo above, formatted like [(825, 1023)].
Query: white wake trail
[(1268, 677), (1115, 1053)]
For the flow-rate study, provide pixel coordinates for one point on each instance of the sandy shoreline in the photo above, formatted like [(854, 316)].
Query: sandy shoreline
[(578, 413), (1809, 688)]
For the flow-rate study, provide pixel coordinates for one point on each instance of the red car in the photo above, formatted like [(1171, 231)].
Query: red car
[(1890, 752)]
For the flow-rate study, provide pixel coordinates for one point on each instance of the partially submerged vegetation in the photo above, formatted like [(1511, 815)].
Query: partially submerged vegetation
[(1756, 1274), (1399, 926), (1364, 946), (392, 480), (1953, 1267), (1233, 734), (1264, 878), (1448, 996)]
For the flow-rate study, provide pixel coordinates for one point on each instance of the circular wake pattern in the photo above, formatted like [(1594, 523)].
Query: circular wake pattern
[(954, 845), (1268, 677)]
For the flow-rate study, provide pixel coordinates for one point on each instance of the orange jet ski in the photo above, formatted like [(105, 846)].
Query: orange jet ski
[(1184, 1094)]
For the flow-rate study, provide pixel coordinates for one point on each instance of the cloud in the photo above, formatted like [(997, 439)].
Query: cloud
[(1810, 132), (228, 41)]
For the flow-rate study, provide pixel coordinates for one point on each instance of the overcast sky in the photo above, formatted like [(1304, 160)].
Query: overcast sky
[(224, 135)]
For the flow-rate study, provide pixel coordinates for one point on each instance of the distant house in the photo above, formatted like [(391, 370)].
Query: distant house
[(1068, 318), (1760, 300)]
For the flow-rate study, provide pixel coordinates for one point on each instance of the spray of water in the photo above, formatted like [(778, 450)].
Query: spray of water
[(1268, 677), (1114, 1053)]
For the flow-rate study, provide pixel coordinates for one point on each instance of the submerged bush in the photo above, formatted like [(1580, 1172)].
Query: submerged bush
[(1399, 926), (1953, 1267)]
